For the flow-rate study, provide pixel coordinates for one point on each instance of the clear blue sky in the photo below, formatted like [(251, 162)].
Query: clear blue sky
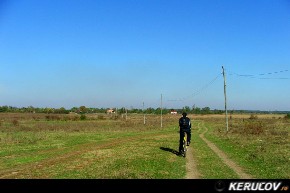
[(121, 53)]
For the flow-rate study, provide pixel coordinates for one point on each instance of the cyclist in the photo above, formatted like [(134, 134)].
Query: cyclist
[(184, 125)]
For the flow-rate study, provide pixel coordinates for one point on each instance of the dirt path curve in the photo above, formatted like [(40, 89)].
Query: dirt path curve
[(239, 171)]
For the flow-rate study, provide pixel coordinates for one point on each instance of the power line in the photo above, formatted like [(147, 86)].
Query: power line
[(259, 76), (197, 91), (276, 78)]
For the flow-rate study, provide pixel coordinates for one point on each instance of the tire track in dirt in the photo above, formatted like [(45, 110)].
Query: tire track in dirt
[(84, 148), (192, 172), (191, 168), (237, 169)]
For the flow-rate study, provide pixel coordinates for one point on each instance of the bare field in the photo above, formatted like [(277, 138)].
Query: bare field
[(120, 146), (239, 116)]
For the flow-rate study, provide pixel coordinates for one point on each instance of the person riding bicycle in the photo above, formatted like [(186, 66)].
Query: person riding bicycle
[(184, 125)]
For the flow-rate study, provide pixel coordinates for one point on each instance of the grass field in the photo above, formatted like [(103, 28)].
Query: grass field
[(41, 146)]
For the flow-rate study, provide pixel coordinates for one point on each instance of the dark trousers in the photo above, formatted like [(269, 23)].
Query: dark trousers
[(181, 135)]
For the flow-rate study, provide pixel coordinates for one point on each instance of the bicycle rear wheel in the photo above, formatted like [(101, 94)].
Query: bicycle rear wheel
[(184, 145)]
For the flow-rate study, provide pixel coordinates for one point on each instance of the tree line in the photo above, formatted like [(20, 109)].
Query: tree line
[(86, 110)]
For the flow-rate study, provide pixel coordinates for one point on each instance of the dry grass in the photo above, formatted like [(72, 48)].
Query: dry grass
[(30, 138), (239, 116)]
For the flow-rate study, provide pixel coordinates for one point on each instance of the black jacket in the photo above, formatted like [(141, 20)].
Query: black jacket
[(184, 123)]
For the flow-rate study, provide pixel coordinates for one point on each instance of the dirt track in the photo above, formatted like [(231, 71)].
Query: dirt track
[(192, 172)]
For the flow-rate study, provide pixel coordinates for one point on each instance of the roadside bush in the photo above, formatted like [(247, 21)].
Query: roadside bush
[(75, 118), (83, 117), (253, 127), (253, 116), (15, 122)]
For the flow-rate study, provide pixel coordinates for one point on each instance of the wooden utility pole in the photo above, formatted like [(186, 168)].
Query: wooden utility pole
[(225, 93), (144, 114), (126, 114), (161, 110)]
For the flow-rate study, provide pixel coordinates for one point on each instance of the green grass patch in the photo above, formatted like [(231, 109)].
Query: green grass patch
[(263, 156), (208, 163)]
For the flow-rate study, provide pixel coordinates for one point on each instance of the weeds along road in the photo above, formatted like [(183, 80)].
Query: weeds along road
[(230, 163)]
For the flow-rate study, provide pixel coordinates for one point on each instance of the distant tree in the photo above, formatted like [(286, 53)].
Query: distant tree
[(216, 111), (83, 109), (150, 110), (122, 110), (165, 111), (29, 109), (158, 111), (48, 110), (61, 110), (197, 110), (186, 109), (205, 110), (4, 109), (74, 109)]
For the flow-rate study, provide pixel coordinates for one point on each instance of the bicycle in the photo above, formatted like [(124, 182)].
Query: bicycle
[(184, 144)]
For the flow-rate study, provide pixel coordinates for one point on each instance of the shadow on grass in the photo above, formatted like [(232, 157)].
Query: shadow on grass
[(169, 150)]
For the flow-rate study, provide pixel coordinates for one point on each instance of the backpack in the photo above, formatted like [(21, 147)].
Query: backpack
[(184, 123)]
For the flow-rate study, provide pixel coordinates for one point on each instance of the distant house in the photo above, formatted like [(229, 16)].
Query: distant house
[(173, 112), (110, 111)]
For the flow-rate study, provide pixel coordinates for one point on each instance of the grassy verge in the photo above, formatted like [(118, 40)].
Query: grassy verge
[(208, 163), (263, 155)]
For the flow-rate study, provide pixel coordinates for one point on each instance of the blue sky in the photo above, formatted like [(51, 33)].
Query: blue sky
[(112, 53)]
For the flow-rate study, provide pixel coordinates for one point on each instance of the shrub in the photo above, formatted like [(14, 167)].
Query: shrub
[(75, 118), (15, 122), (253, 116), (287, 116), (83, 117), (253, 127)]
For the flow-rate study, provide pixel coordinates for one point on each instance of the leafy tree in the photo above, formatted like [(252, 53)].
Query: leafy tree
[(4, 109), (206, 110), (122, 110), (150, 110), (83, 109), (186, 109), (197, 110)]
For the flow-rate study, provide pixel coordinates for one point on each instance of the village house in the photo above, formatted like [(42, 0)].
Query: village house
[(173, 112), (110, 111)]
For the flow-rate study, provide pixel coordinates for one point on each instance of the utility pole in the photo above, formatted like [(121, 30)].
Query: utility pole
[(161, 110), (225, 93), (144, 114), (126, 114)]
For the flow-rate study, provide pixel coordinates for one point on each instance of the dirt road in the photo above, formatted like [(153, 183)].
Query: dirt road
[(192, 172)]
